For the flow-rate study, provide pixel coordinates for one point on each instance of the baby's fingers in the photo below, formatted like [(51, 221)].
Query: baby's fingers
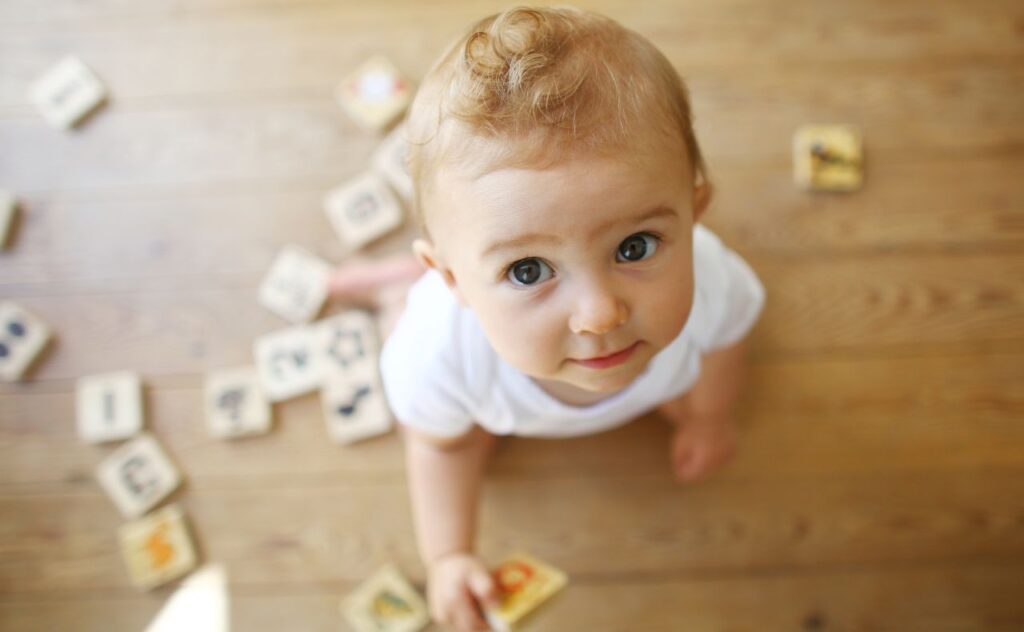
[(466, 615)]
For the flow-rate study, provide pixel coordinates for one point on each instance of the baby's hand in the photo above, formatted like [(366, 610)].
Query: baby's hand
[(458, 586), (701, 445)]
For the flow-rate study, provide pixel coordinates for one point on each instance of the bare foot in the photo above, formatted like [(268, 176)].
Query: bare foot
[(360, 279), (700, 446)]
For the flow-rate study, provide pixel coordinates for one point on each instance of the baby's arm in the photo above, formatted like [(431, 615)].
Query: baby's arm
[(705, 434), (444, 482)]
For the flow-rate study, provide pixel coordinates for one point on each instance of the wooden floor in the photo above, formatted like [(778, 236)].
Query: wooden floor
[(880, 482)]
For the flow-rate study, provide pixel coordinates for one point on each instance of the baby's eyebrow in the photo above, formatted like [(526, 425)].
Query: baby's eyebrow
[(527, 238)]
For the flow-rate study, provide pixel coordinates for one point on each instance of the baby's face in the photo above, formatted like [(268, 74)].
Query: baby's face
[(579, 273)]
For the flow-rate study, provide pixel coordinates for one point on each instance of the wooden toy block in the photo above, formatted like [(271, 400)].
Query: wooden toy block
[(295, 288), (235, 403), (23, 336), (158, 548), (109, 406), (8, 211), (828, 157), (524, 582), (386, 602), (363, 209), (347, 342), (67, 93), (138, 475), (375, 94), (287, 363), (389, 161)]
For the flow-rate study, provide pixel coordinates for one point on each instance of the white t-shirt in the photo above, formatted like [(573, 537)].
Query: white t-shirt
[(441, 376)]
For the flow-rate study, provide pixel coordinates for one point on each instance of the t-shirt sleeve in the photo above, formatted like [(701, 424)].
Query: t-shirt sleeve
[(733, 294), (420, 368)]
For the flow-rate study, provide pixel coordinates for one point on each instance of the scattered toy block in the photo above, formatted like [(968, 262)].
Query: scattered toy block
[(287, 363), (158, 548), (524, 583), (235, 403), (23, 336), (828, 157), (375, 94), (8, 212), (109, 406), (386, 602), (67, 93), (295, 288), (363, 209), (138, 475)]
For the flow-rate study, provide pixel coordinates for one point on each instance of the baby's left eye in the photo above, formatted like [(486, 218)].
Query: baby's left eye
[(637, 247)]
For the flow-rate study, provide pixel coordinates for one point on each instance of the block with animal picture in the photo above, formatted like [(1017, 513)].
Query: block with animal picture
[(235, 404), (109, 406), (828, 157), (67, 93), (389, 159), (287, 362), (23, 337), (295, 287), (8, 216), (363, 210), (386, 602), (524, 583), (138, 475), (157, 548), (374, 94)]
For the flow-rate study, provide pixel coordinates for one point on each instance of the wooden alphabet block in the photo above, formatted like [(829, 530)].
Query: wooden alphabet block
[(525, 583), (23, 336), (363, 209), (67, 93), (375, 94), (235, 403), (389, 161), (8, 211), (287, 363), (828, 157), (386, 602), (158, 548), (295, 288), (109, 406), (138, 475), (352, 396)]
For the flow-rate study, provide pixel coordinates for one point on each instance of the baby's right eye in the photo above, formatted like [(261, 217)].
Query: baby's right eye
[(526, 272)]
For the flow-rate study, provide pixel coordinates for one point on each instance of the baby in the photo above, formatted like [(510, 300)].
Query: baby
[(569, 288)]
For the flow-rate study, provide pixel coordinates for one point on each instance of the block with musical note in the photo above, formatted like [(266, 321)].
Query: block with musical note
[(235, 403), (109, 406), (158, 548)]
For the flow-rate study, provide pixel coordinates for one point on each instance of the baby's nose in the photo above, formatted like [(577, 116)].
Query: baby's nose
[(598, 312)]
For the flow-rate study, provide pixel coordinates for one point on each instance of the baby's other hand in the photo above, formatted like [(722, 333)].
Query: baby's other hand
[(702, 445), (458, 586)]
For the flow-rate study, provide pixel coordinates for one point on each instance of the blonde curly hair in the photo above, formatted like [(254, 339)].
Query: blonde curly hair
[(550, 83)]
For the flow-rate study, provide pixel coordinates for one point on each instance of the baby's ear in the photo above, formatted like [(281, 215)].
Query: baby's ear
[(427, 255), (701, 198)]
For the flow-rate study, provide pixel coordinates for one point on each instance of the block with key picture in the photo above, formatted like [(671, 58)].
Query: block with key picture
[(109, 406)]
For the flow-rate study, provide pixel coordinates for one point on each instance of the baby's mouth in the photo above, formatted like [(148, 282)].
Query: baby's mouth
[(610, 360)]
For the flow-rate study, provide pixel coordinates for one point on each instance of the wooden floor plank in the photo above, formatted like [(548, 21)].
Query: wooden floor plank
[(939, 597), (806, 417), (302, 533)]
